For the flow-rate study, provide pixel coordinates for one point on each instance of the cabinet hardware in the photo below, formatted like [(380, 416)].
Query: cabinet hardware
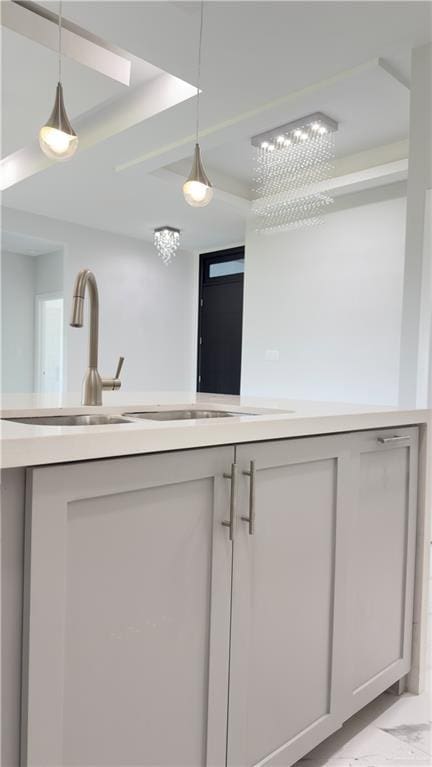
[(231, 521), (392, 440), (251, 518)]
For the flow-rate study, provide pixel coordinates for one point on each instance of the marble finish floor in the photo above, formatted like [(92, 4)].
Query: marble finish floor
[(390, 732)]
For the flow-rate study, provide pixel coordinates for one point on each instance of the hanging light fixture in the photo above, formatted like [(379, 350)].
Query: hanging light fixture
[(57, 138), (292, 164), (197, 189), (167, 241)]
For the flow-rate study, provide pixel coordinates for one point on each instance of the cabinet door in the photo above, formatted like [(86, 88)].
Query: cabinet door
[(381, 562), (285, 680), (127, 618)]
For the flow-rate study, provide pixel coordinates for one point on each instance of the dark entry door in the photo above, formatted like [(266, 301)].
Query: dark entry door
[(220, 321)]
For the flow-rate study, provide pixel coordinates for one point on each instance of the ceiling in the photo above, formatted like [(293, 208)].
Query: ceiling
[(264, 63)]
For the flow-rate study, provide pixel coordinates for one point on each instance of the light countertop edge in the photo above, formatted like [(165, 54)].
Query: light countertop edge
[(27, 445)]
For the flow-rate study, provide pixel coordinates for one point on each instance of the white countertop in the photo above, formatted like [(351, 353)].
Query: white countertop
[(29, 445)]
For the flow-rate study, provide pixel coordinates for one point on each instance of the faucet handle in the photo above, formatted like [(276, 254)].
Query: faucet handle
[(119, 367), (114, 383)]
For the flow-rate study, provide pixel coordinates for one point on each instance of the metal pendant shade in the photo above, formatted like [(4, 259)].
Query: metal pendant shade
[(197, 171), (58, 118), (197, 189), (57, 138)]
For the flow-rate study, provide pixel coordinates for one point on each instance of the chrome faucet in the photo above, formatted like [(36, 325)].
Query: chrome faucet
[(93, 384)]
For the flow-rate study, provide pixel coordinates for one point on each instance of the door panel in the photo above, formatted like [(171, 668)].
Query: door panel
[(287, 623), (49, 342), (221, 334), (381, 563), (129, 612), (220, 321)]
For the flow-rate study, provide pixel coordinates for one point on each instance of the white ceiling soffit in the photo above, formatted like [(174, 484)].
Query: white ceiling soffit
[(41, 25)]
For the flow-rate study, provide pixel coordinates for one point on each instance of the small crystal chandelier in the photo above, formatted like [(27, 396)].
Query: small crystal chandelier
[(167, 241), (292, 163), (57, 138), (197, 189)]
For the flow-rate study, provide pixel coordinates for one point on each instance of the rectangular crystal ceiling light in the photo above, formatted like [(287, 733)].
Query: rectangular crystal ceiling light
[(292, 163)]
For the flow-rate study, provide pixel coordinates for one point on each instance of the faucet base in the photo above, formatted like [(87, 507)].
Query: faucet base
[(92, 387)]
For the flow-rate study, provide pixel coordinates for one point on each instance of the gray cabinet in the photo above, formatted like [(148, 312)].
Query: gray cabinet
[(323, 586), (128, 604), (381, 562), (152, 639), (286, 682)]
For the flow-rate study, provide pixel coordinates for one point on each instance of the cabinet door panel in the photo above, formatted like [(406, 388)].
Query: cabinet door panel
[(286, 627), (381, 563), (129, 612)]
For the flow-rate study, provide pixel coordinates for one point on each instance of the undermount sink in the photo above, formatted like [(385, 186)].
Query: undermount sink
[(71, 420), (182, 415), (95, 419)]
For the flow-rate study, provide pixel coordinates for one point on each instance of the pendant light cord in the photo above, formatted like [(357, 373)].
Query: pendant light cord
[(199, 72), (60, 42)]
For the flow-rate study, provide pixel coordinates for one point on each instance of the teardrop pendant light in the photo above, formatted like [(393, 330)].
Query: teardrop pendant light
[(197, 189), (57, 138)]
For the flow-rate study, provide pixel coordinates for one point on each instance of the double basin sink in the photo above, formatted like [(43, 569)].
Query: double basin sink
[(109, 420)]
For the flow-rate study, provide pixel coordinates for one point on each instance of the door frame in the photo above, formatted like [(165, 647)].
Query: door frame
[(205, 260), (40, 298)]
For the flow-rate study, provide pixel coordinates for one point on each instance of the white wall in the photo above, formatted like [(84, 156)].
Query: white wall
[(416, 336), (329, 299), (17, 321), (49, 273), (23, 277), (147, 310)]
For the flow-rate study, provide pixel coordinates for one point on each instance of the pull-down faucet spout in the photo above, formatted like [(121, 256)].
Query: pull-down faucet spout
[(93, 384)]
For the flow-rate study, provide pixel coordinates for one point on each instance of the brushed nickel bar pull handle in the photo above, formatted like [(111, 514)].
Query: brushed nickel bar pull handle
[(231, 521), (251, 518), (393, 440)]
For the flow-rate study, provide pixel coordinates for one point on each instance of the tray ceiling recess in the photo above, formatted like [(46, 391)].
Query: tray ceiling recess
[(145, 90)]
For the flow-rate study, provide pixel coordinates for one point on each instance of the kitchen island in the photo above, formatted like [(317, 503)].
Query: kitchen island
[(219, 591)]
